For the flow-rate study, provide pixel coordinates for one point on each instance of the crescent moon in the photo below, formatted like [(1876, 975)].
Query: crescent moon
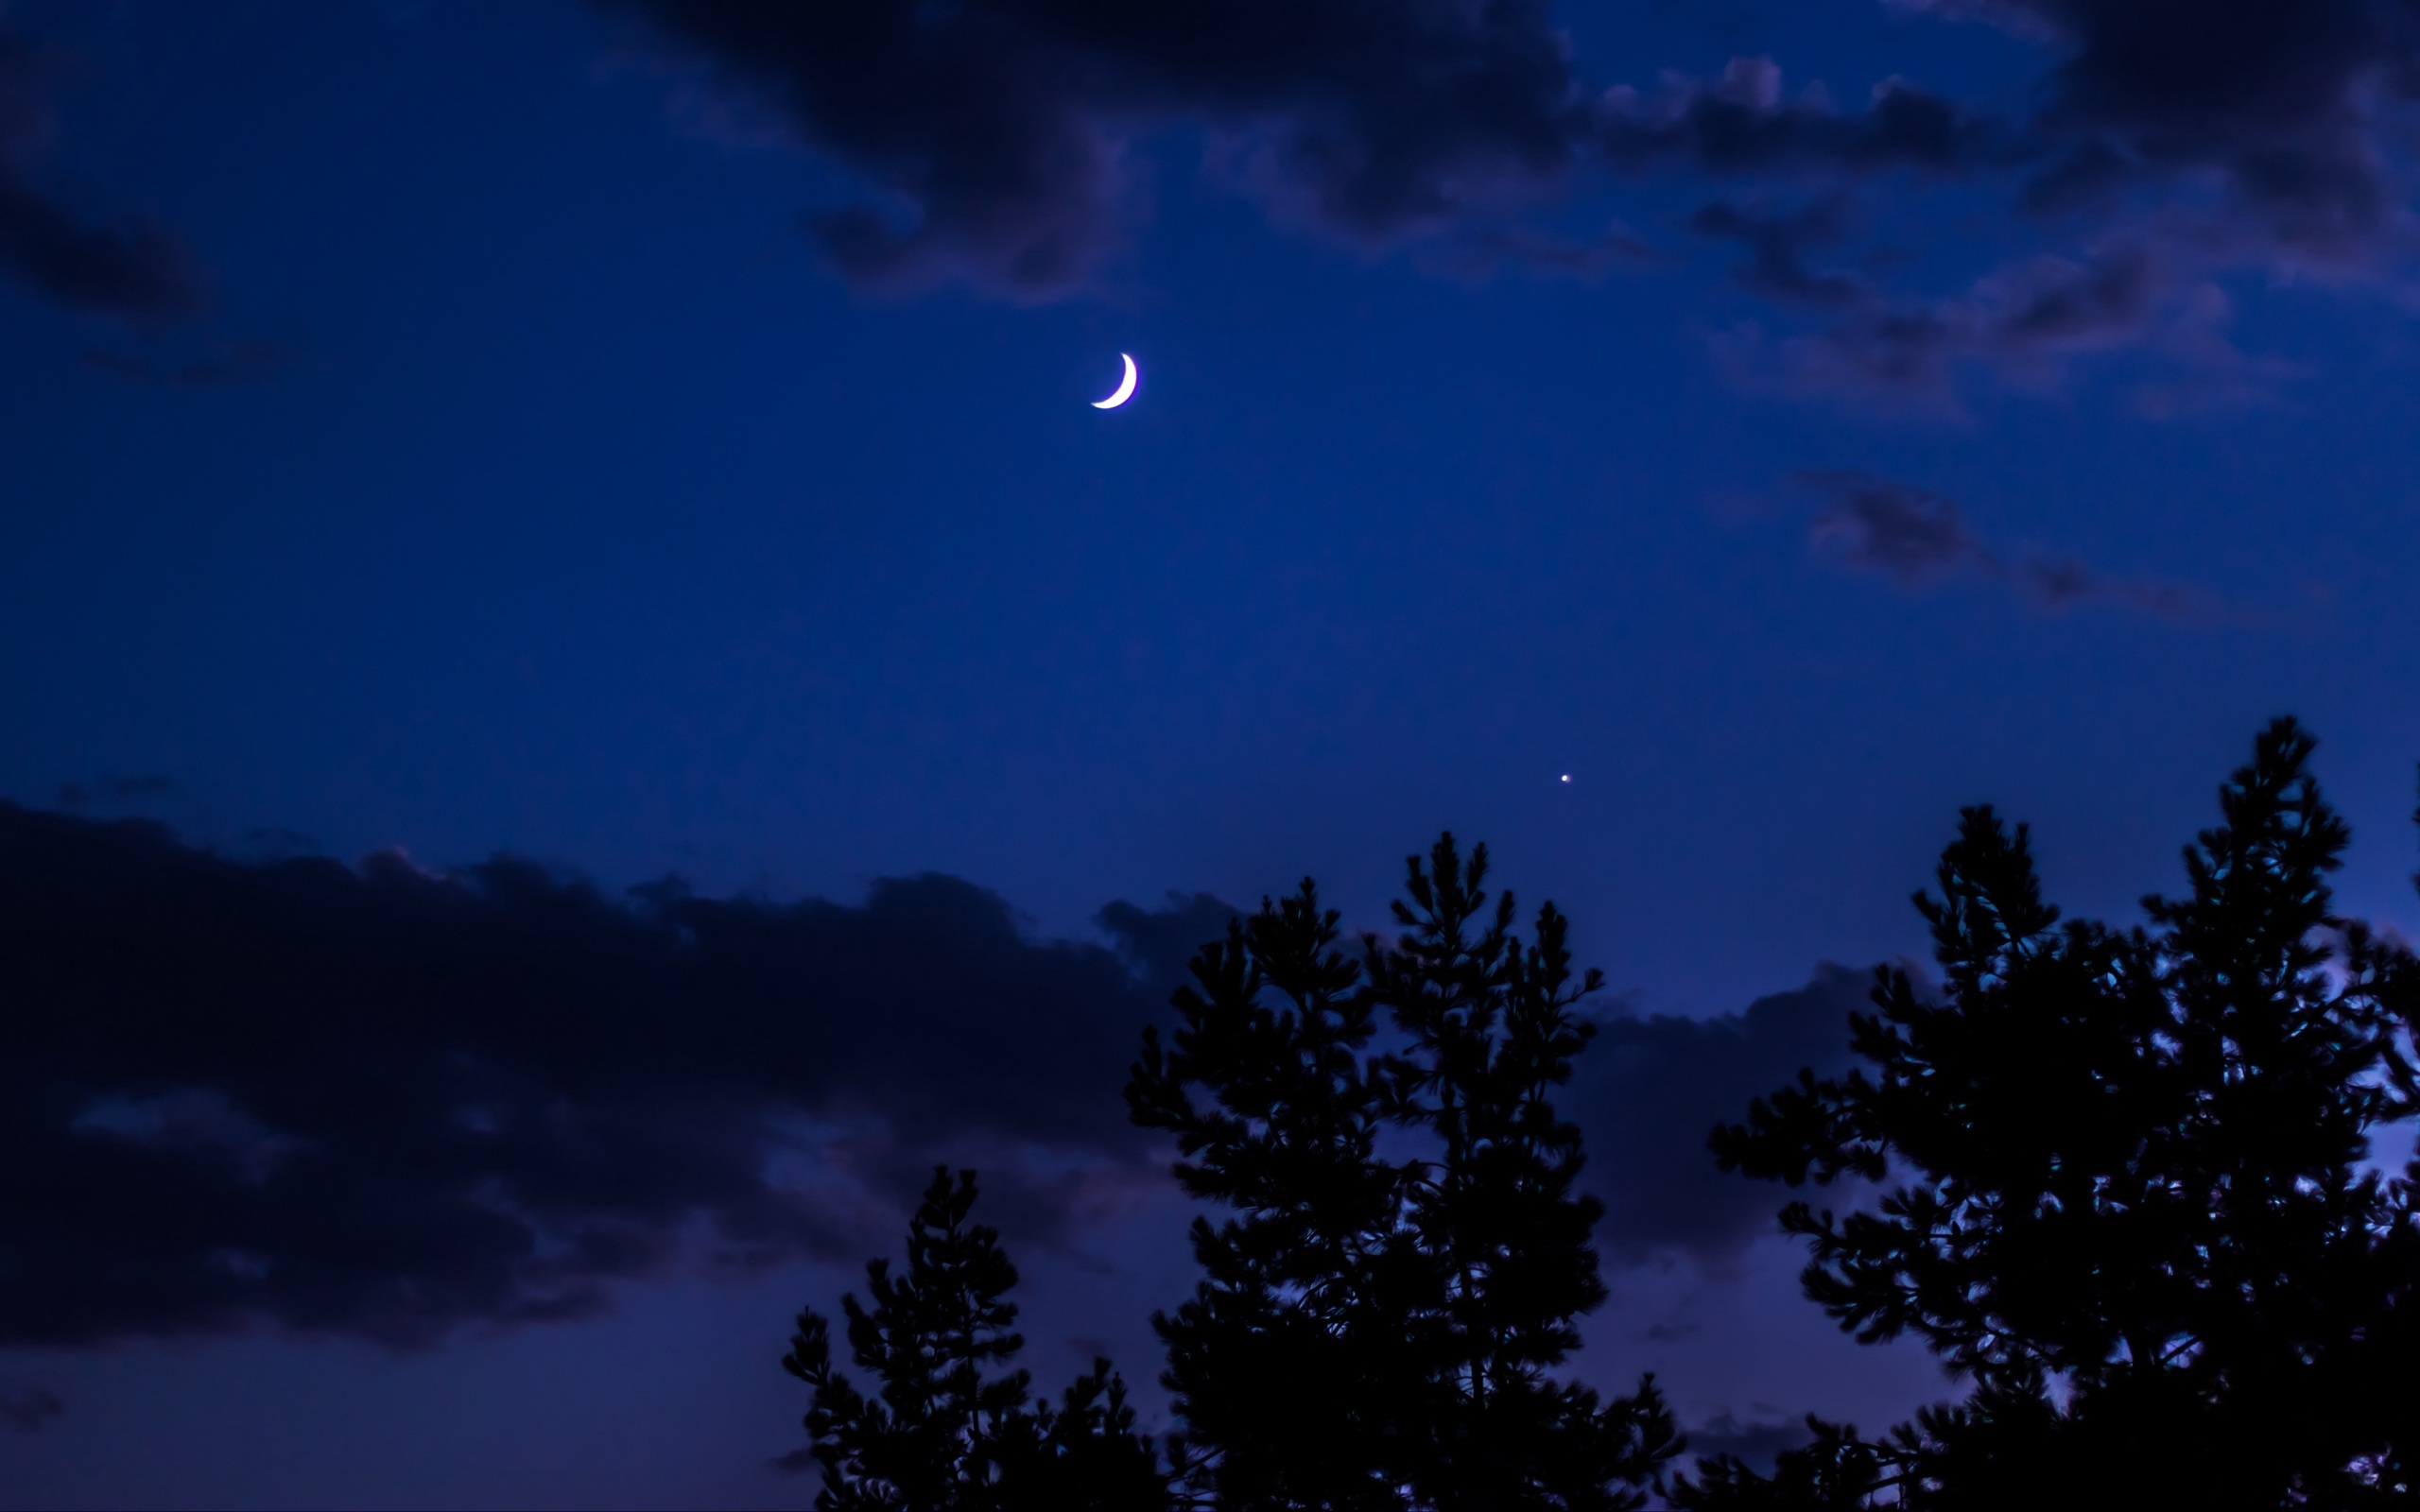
[(1125, 387)]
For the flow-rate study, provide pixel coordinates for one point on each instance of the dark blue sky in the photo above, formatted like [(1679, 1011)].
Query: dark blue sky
[(467, 430)]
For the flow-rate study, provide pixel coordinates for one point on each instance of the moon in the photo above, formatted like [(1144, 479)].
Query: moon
[(1125, 387)]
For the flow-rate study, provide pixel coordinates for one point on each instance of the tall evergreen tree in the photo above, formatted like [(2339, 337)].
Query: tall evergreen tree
[(2131, 1208), (1375, 1333), (1293, 1363), (952, 1429), (1496, 1212)]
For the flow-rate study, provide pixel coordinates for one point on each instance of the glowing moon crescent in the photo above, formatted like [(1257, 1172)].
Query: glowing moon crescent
[(1125, 387)]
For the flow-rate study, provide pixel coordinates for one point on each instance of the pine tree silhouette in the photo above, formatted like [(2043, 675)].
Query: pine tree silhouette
[(2131, 1210), (951, 1429), (1376, 1334)]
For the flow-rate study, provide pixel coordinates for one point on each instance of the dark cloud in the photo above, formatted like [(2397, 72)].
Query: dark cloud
[(1873, 523), (2056, 582), (29, 1408), (1741, 121), (239, 364), (125, 268), (2281, 99), (2190, 140), (1160, 944), (2022, 326), (383, 1102), (1007, 127), (1652, 1087), (115, 790), (2178, 142), (1778, 243), (1756, 1443), (1478, 253), (1006, 124)]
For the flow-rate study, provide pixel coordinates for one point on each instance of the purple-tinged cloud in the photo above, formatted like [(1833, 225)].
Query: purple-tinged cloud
[(1873, 522), (126, 268), (1778, 243), (1756, 1443), (2282, 101), (2021, 327), (1005, 125), (116, 791), (1653, 1086), (1876, 524), (1003, 133), (2169, 144), (387, 1103), (1741, 121), (28, 1408)]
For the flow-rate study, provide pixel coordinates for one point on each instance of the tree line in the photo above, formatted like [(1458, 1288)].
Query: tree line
[(2121, 1197)]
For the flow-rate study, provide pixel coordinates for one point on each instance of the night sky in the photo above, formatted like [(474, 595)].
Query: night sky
[(584, 695)]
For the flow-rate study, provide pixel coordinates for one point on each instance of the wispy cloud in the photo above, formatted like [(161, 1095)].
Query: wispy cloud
[(125, 266), (115, 790), (1873, 524), (29, 1408)]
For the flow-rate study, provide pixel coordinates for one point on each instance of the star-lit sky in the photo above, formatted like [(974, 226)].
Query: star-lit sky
[(655, 437)]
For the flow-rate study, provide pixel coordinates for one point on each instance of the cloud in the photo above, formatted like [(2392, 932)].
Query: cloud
[(1741, 121), (29, 1408), (1005, 126), (115, 790), (1873, 523), (2182, 143), (1651, 1088), (2022, 326), (126, 268), (1757, 1443), (1005, 134), (385, 1102), (2278, 98), (1777, 243), (1160, 944), (388, 1103), (1903, 531), (2166, 149)]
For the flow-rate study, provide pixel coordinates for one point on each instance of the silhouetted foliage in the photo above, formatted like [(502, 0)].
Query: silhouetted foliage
[(2130, 1206), (1376, 1321), (952, 1429)]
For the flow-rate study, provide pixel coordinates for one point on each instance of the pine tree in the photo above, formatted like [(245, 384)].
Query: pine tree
[(1374, 1332), (2131, 1210), (951, 1429), (1292, 1361), (1497, 1214)]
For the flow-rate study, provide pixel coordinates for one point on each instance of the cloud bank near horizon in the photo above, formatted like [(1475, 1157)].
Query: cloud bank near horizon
[(388, 1103)]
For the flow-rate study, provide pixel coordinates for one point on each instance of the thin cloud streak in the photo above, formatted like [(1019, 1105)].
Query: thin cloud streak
[(126, 268), (1875, 524)]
